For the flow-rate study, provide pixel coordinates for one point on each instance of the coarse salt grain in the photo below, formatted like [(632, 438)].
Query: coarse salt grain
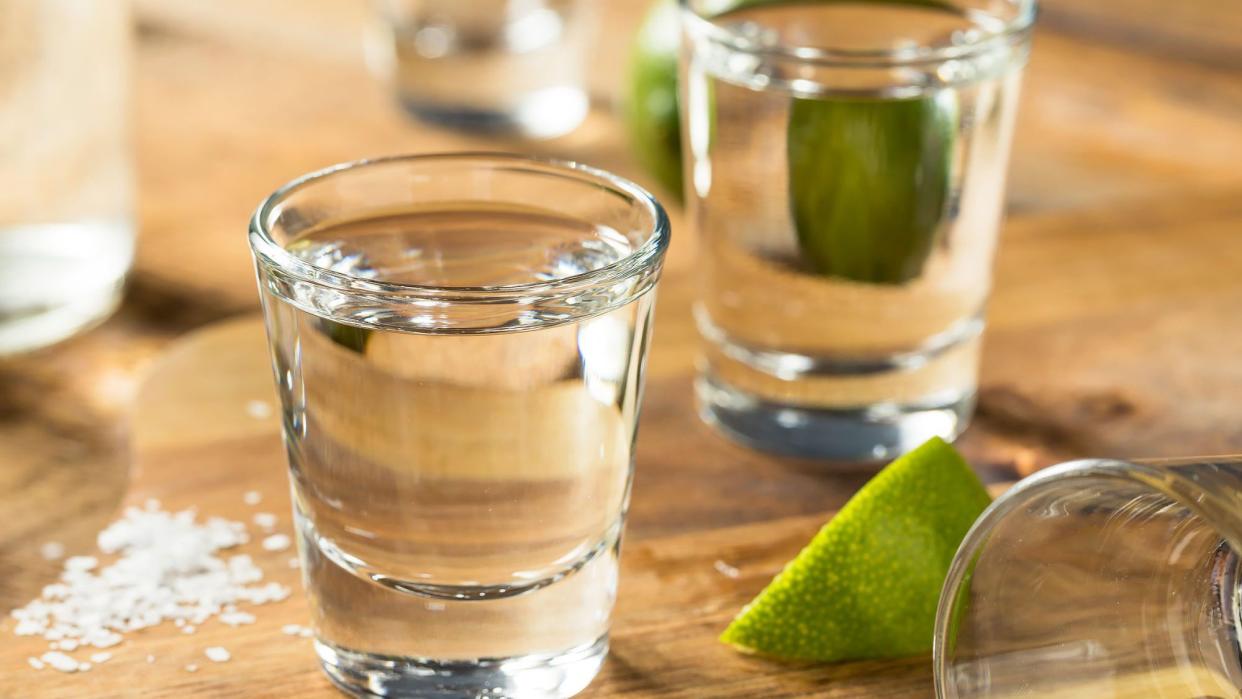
[(100, 657), (217, 654), (297, 630), (52, 551), (266, 520), (191, 668), (727, 570), (276, 542), (236, 618), (252, 497), (150, 659), (59, 661), (167, 567), (35, 663)]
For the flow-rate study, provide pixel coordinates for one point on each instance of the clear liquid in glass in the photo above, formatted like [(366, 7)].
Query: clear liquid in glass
[(488, 65), (818, 365), (460, 493)]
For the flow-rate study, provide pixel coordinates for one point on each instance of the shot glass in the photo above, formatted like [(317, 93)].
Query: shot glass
[(458, 342), (1100, 579), (507, 66), (66, 186), (845, 174)]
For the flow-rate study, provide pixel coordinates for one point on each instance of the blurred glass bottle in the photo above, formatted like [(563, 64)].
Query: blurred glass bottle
[(503, 66), (66, 187)]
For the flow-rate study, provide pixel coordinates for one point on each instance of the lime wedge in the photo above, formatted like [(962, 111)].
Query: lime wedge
[(869, 182), (867, 584), (651, 106)]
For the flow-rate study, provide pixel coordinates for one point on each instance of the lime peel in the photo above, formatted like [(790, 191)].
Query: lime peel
[(867, 584)]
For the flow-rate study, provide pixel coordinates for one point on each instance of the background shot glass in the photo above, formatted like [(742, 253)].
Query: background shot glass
[(66, 190), (845, 172), (1099, 579), (508, 66), (458, 343)]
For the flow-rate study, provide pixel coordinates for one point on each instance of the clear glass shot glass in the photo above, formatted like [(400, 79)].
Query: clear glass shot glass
[(458, 342), (845, 174), (507, 66), (66, 187), (1100, 579)]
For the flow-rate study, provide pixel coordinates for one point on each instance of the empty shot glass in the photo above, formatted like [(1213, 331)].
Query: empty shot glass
[(1101, 579), (845, 175), (458, 343), (503, 66)]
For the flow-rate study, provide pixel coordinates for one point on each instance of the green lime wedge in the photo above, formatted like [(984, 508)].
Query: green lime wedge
[(870, 179), (869, 183), (868, 583), (651, 105)]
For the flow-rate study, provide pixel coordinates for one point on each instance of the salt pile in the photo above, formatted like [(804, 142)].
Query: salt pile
[(168, 568)]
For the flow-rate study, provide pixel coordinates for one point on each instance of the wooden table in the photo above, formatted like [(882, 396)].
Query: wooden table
[(1118, 279)]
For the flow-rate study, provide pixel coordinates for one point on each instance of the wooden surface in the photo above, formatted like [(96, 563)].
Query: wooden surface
[(1112, 328), (197, 444)]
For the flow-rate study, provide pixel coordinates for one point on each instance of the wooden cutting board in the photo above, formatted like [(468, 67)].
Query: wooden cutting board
[(206, 431)]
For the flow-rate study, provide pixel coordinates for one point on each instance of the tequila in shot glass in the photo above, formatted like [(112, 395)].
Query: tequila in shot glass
[(507, 66), (845, 173), (66, 182), (458, 342)]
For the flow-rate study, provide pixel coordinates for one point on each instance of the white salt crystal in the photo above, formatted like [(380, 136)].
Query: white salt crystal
[(236, 618), (290, 629), (150, 659), (168, 567), (191, 668), (217, 654), (83, 667), (78, 564), (266, 520), (726, 570), (52, 551), (252, 497), (276, 542), (35, 663), (258, 409), (190, 628), (100, 657), (60, 661), (294, 563)]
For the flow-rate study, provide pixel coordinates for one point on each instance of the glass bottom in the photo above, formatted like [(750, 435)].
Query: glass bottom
[(539, 676), (59, 279), (546, 113), (871, 433)]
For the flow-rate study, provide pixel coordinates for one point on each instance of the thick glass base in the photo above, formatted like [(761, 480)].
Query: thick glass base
[(873, 433), (546, 113), (59, 279), (541, 676)]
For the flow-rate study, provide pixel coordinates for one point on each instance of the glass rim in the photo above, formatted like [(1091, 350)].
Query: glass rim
[(650, 252), (1150, 473), (1012, 31)]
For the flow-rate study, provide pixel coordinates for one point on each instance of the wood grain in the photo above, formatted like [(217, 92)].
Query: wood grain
[(197, 444)]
